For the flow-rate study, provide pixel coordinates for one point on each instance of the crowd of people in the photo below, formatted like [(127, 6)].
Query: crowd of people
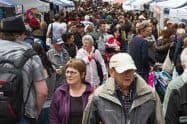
[(64, 74)]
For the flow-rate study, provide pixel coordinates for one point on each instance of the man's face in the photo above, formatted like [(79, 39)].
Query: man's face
[(145, 32), (124, 80), (58, 47), (103, 28)]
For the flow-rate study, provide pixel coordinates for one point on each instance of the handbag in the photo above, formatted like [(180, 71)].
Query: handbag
[(49, 39), (99, 70), (168, 65), (51, 32)]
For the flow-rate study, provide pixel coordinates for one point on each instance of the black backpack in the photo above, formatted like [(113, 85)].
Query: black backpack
[(11, 88)]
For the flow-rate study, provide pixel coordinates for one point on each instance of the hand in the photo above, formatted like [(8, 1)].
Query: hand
[(105, 77), (117, 49), (58, 71), (92, 55)]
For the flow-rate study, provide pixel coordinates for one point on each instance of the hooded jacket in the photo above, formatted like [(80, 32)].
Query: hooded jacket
[(105, 107)]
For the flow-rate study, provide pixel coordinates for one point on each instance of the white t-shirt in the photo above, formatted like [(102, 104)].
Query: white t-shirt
[(57, 28)]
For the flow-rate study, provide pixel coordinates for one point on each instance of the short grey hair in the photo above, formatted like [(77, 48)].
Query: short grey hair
[(89, 38), (183, 57)]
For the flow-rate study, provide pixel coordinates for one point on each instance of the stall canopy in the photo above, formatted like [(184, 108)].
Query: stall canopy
[(139, 4), (127, 5), (12, 4), (40, 5), (63, 3), (67, 3), (171, 3), (8, 3), (180, 12)]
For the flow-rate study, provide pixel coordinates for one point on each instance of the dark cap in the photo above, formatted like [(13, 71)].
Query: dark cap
[(12, 24)]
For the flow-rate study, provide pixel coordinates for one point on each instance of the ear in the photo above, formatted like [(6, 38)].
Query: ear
[(83, 75), (112, 72)]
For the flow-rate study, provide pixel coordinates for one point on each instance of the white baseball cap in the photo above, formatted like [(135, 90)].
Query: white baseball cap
[(122, 62)]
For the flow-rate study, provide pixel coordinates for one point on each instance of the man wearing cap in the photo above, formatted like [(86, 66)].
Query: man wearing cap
[(59, 57), (12, 47), (125, 98)]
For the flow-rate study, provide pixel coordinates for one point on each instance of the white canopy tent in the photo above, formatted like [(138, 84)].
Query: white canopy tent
[(7, 3), (180, 12), (40, 5), (67, 3), (127, 5), (11, 3), (139, 4), (171, 3), (162, 9)]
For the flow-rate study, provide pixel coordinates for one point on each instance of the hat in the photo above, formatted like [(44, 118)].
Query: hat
[(12, 24), (170, 22), (57, 41), (122, 62)]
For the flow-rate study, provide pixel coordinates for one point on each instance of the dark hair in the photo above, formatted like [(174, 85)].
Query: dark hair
[(101, 22), (9, 36), (42, 54), (68, 36)]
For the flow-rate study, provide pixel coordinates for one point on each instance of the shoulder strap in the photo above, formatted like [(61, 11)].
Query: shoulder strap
[(52, 30), (19, 64), (26, 55)]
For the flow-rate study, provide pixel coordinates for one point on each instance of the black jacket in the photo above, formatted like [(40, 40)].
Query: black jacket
[(177, 106)]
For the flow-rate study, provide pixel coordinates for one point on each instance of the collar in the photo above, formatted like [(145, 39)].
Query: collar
[(65, 88)]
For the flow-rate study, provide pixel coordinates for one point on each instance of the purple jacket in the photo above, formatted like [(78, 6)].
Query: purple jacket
[(60, 105)]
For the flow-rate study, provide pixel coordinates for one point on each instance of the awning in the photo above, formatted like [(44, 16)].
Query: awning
[(40, 5), (8, 3)]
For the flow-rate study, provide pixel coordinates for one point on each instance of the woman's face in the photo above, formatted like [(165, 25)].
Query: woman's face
[(87, 45), (71, 39), (116, 34), (73, 76)]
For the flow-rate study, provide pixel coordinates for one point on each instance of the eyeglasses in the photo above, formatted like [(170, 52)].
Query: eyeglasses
[(71, 72)]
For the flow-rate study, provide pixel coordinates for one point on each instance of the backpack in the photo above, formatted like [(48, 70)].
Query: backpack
[(11, 88)]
